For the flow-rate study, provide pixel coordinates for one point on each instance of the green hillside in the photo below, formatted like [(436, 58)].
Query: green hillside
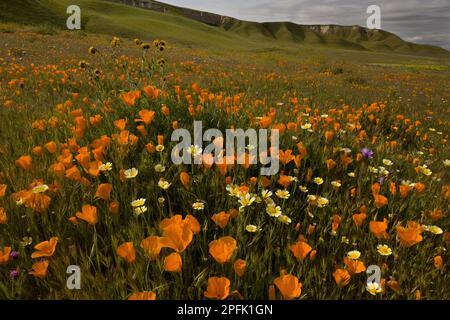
[(106, 17)]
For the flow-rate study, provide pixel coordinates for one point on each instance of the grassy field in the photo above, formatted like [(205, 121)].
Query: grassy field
[(78, 111)]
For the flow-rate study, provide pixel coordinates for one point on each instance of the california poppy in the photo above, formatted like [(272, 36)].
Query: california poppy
[(239, 267), (127, 252), (221, 219), (300, 250), (103, 191), (342, 277), (25, 162), (173, 262), (222, 249), (88, 213), (354, 266), (184, 178), (40, 269), (378, 229), (45, 248), (2, 190), (410, 235), (3, 216), (4, 255), (147, 295), (152, 246), (359, 218), (218, 288), (288, 285)]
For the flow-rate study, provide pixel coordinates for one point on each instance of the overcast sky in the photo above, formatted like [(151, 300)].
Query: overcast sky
[(421, 21)]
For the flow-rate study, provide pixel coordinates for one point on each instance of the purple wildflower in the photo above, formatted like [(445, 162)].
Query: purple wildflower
[(367, 153), (14, 274), (14, 254)]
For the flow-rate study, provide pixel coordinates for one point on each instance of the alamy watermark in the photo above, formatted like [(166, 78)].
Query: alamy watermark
[(233, 148)]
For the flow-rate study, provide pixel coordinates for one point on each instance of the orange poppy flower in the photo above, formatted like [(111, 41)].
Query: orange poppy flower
[(147, 295), (2, 190), (289, 286), (359, 218), (354, 266), (114, 207), (438, 263), (25, 162), (3, 216), (342, 277), (88, 213), (218, 288), (129, 98), (300, 250), (127, 252), (378, 229), (190, 221), (284, 180), (419, 187), (239, 267), (285, 156), (221, 219), (120, 124), (4, 255), (404, 190), (173, 262), (51, 147), (330, 164), (410, 235), (380, 201), (103, 191), (184, 178), (39, 269), (436, 214), (147, 116), (222, 249), (177, 237), (152, 246), (394, 286), (45, 248)]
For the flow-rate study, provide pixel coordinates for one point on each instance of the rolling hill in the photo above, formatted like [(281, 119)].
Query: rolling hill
[(150, 19)]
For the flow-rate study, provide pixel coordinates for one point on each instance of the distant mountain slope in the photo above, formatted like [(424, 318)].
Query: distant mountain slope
[(192, 27)]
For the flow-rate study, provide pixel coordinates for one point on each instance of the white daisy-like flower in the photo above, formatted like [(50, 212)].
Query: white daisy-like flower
[(139, 210), (373, 288), (303, 189), (266, 194), (318, 180), (105, 167), (336, 184), (131, 173), (40, 188), (322, 202), (284, 219), (160, 168), (446, 163), (246, 200), (163, 184), (354, 254), (351, 174), (283, 194), (198, 205), (273, 211), (373, 169), (159, 148), (306, 126), (435, 230), (194, 150), (387, 162), (252, 228), (384, 250), (138, 202), (233, 190)]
